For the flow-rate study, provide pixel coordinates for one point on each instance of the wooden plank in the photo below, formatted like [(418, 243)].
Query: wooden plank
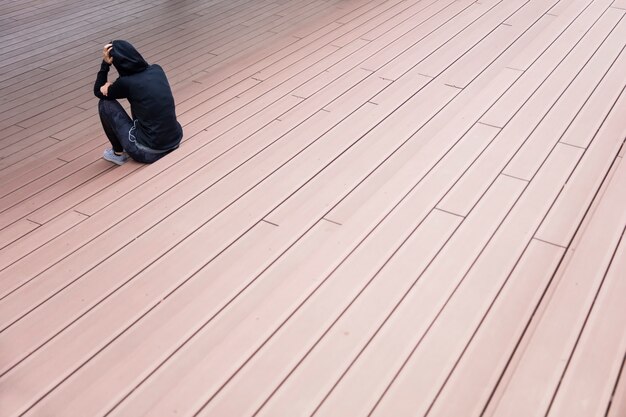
[(198, 235), (152, 198), (471, 383), (13, 182), (32, 113), (560, 8), (51, 193), (400, 126), (73, 25), (590, 119), (100, 183), (30, 32), (57, 76), (531, 155), (540, 368), (591, 375), (288, 226), (59, 178), (468, 37), (332, 38), (26, 153), (154, 47), (73, 197), (533, 113), (617, 407), (207, 120), (234, 190), (427, 369), (8, 133), (247, 46), (380, 18), (321, 43), (492, 50), (321, 81), (225, 124), (23, 78), (418, 42), (45, 156), (234, 149), (418, 207), (289, 26), (377, 364), (43, 130), (381, 28), (425, 150), (531, 42), (39, 237), (31, 19), (15, 231), (568, 14), (566, 55), (56, 21), (564, 219), (360, 276), (73, 37), (619, 4), (233, 277)]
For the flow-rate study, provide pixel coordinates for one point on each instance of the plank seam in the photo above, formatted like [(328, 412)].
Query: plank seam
[(514, 177), (332, 221), (449, 212), (549, 243)]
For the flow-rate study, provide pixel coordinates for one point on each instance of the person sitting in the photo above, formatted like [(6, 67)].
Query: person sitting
[(153, 131)]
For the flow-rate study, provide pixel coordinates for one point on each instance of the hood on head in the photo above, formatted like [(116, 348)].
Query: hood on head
[(126, 59)]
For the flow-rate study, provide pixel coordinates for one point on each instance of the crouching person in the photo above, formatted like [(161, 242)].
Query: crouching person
[(153, 130)]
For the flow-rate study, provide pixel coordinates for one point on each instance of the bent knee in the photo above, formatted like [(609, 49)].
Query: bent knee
[(107, 105), (102, 105)]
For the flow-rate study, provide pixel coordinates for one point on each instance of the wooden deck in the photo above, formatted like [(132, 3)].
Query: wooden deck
[(380, 208)]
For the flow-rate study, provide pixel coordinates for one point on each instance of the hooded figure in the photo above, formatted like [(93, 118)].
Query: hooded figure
[(153, 130), (126, 59)]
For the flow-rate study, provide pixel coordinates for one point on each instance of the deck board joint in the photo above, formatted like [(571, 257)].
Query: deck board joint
[(449, 212), (549, 243), (572, 145), (490, 125), (514, 177), (269, 222), (332, 221), (453, 86), (80, 212)]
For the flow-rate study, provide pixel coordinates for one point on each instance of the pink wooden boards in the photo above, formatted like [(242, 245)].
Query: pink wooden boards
[(380, 207)]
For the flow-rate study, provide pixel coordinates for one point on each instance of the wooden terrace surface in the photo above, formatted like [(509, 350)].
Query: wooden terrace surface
[(380, 208)]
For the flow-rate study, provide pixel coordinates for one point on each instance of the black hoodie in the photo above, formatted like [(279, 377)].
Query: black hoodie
[(149, 94)]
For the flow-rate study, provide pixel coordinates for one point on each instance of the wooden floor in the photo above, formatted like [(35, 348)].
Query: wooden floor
[(380, 208)]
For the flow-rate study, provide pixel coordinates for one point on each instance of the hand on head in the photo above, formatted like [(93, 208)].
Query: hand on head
[(106, 53)]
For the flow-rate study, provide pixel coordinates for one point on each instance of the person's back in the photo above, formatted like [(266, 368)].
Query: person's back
[(153, 130)]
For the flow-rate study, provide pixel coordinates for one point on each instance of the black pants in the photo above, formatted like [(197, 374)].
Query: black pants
[(119, 128)]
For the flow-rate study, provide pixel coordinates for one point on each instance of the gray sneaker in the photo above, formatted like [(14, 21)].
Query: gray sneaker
[(110, 156)]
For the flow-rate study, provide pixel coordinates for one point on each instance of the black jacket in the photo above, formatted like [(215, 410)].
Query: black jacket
[(149, 94)]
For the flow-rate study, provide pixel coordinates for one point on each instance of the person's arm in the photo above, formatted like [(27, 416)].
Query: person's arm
[(103, 89), (100, 88), (101, 80)]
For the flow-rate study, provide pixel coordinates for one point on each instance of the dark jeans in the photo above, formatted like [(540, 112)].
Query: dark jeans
[(119, 128)]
